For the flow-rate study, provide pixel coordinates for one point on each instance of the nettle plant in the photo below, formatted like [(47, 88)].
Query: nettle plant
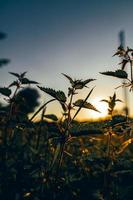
[(68, 105), (125, 127), (11, 95), (119, 135), (126, 56)]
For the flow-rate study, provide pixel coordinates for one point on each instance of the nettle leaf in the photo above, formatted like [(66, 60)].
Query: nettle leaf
[(118, 73), (81, 103), (59, 95), (15, 74), (88, 81), (22, 75), (69, 78), (120, 51), (5, 91), (104, 100), (51, 116), (78, 84), (19, 76), (4, 61), (27, 81)]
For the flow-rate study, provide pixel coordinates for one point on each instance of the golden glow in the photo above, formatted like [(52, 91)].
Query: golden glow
[(101, 106)]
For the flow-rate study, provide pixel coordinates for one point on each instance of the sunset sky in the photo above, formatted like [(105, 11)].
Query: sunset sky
[(76, 37)]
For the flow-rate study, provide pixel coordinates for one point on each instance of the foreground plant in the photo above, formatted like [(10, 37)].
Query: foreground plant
[(68, 105), (126, 56), (125, 126)]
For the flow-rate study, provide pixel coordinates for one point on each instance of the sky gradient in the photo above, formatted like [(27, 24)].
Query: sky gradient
[(76, 37)]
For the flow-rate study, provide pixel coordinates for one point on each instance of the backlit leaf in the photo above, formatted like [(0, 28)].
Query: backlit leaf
[(27, 81), (69, 78), (52, 117), (88, 81), (15, 74), (118, 73), (5, 91), (81, 103), (59, 95)]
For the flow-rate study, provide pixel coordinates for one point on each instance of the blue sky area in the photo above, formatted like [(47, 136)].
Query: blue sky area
[(76, 37)]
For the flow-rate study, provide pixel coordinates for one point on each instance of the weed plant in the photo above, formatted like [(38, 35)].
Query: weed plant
[(62, 158)]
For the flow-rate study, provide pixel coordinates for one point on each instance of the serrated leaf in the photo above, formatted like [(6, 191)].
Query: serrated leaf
[(80, 102), (22, 75), (15, 74), (88, 81), (4, 61), (27, 81), (79, 84), (51, 116), (118, 73), (69, 78), (5, 91), (59, 95)]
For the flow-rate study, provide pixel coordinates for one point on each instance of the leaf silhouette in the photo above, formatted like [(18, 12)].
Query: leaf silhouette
[(118, 73), (27, 81), (78, 84), (111, 103), (59, 95), (19, 76), (5, 91), (22, 75), (80, 102), (120, 51), (15, 74), (88, 81), (52, 117), (104, 100), (69, 78)]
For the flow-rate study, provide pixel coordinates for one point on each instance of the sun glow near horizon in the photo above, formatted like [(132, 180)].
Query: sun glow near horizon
[(100, 106)]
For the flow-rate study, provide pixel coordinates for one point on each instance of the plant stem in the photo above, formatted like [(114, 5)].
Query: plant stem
[(131, 70), (40, 130), (34, 115)]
